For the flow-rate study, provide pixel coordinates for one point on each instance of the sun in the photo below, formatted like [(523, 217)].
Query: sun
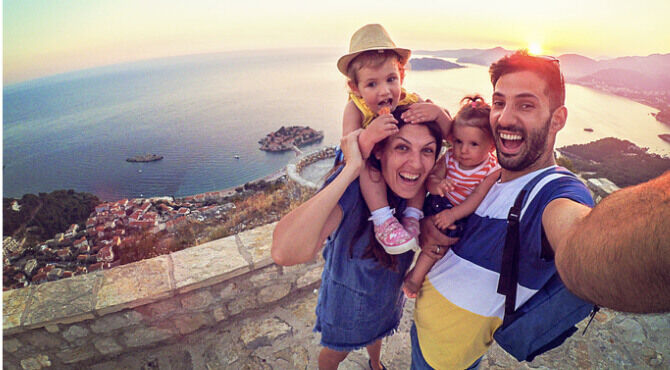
[(535, 48)]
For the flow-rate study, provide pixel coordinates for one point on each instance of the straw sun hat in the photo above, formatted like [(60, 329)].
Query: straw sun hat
[(370, 37)]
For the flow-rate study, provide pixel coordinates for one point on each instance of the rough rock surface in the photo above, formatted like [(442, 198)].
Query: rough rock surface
[(281, 337)]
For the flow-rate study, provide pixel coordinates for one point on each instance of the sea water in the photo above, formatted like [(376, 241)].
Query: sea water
[(202, 112)]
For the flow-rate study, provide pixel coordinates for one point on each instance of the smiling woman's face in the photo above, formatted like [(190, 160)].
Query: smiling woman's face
[(407, 158)]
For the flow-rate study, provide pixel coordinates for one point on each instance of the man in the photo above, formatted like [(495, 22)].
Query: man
[(616, 255)]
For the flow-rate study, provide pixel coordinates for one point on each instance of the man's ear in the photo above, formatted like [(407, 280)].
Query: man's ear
[(558, 118)]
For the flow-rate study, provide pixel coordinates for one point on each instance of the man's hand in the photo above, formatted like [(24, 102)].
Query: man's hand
[(433, 242)]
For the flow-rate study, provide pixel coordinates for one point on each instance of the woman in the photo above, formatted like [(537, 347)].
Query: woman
[(360, 299)]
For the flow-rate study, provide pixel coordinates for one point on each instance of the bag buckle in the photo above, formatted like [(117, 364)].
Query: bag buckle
[(513, 215)]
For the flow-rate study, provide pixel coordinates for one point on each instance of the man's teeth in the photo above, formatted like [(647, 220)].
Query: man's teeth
[(506, 136), (408, 176)]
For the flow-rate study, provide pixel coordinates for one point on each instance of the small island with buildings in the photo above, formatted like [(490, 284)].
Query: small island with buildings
[(290, 138)]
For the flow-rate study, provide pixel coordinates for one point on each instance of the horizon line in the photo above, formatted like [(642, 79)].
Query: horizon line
[(133, 61)]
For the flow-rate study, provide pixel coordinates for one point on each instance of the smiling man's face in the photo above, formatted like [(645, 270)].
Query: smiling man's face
[(523, 126)]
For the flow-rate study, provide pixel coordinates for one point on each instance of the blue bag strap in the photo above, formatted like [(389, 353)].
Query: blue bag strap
[(509, 268)]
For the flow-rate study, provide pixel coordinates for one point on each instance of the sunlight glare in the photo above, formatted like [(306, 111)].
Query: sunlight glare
[(535, 48)]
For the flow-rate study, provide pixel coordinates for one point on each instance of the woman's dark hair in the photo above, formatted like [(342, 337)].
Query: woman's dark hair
[(374, 249)]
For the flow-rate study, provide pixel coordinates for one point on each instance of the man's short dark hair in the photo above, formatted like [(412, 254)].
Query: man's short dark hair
[(546, 67)]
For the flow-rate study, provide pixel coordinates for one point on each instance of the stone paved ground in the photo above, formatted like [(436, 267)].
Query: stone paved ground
[(281, 337)]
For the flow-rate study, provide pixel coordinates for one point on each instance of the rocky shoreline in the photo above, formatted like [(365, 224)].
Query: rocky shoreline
[(290, 138)]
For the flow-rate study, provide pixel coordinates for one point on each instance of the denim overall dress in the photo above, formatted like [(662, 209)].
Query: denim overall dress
[(359, 301)]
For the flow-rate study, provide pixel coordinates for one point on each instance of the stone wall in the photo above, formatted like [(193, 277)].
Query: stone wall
[(294, 169), (601, 187), (95, 317)]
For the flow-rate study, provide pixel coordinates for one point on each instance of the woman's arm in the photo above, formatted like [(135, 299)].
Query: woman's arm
[(300, 234), (617, 254)]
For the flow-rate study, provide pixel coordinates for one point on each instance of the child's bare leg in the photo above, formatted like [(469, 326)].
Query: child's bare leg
[(373, 188), (330, 359), (416, 276), (412, 214), (389, 232), (417, 200), (375, 352)]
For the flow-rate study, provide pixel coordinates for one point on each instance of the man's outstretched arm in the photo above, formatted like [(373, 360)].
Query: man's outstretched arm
[(617, 254)]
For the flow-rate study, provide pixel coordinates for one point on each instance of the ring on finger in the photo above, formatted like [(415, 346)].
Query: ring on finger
[(437, 250)]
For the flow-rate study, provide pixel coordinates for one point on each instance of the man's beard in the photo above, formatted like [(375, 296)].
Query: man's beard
[(535, 143)]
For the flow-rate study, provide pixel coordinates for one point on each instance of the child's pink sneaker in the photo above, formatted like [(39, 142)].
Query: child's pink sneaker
[(411, 225), (394, 238)]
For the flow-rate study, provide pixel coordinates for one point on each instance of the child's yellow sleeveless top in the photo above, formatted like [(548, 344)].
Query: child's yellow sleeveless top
[(368, 115)]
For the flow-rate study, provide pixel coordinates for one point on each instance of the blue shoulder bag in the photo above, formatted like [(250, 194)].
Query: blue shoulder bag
[(548, 318)]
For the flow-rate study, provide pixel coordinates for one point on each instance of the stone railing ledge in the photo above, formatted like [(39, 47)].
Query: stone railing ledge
[(135, 284), (257, 243), (14, 304), (58, 302), (103, 292), (208, 264)]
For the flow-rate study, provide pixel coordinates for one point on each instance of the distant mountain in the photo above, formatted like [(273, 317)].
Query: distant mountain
[(475, 56), (641, 73), (458, 53), (625, 78), (429, 64), (485, 57), (651, 65), (647, 73), (575, 65)]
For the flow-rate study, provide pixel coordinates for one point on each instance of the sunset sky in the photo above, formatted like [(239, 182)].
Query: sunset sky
[(43, 37)]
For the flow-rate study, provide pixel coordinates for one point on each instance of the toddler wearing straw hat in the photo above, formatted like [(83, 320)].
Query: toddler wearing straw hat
[(375, 69)]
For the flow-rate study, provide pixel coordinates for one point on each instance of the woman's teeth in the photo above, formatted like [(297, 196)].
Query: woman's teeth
[(409, 176)]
